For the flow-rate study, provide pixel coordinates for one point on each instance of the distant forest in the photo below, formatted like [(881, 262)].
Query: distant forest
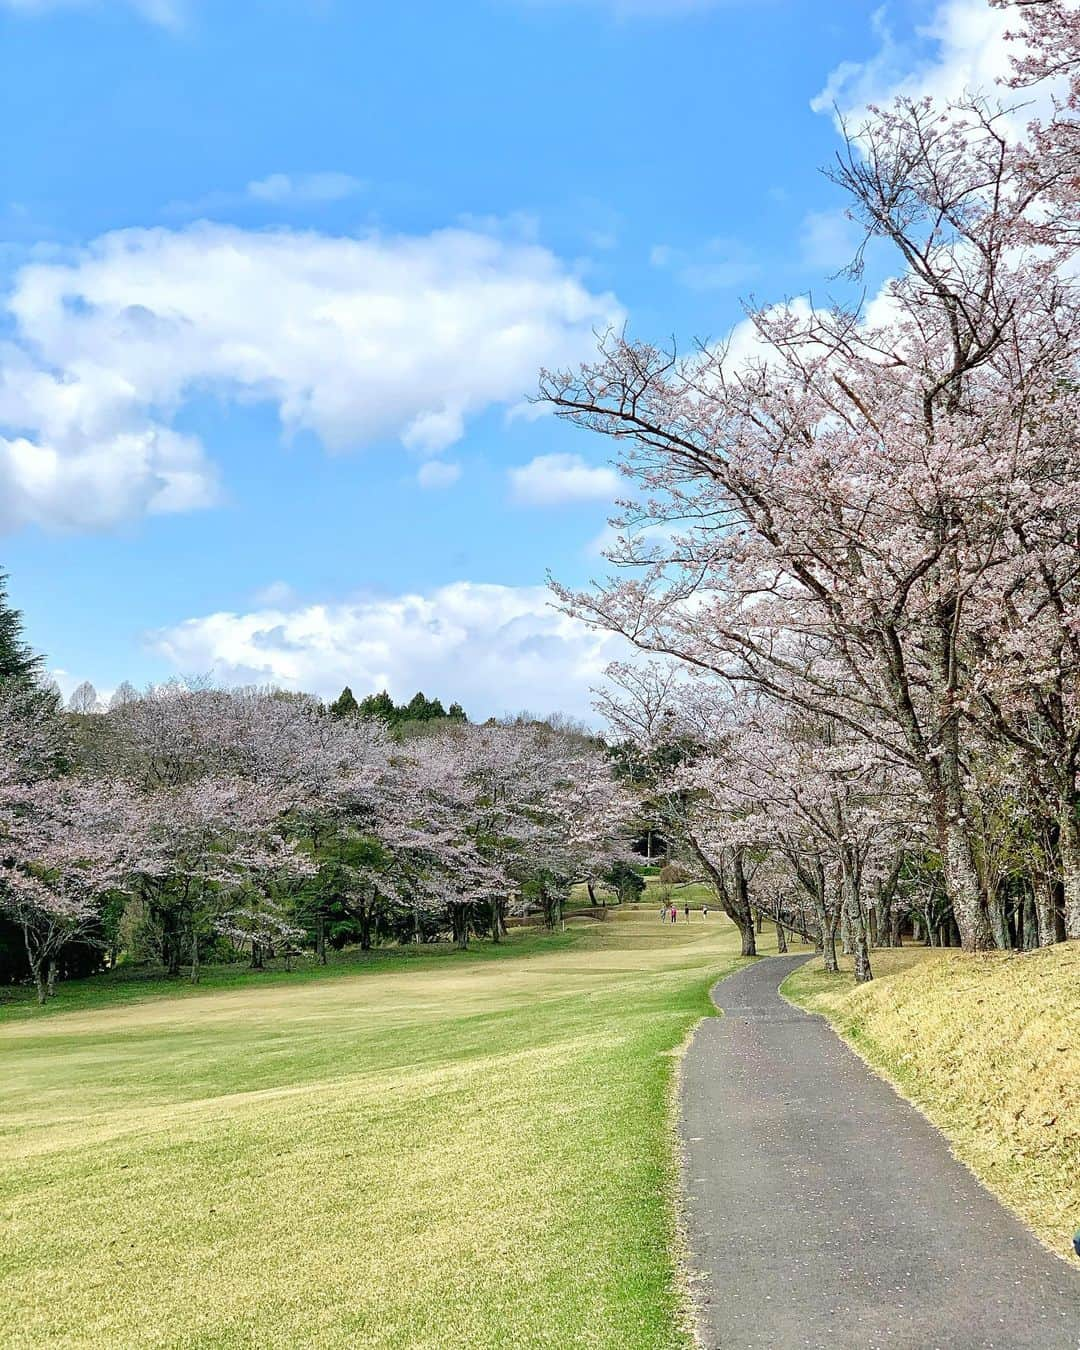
[(419, 708)]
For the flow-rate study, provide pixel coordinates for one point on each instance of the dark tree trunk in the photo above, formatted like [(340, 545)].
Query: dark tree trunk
[(37, 964), (1069, 844), (888, 926), (734, 899), (999, 922), (781, 939), (855, 922), (320, 937), (498, 923), (829, 919), (170, 939)]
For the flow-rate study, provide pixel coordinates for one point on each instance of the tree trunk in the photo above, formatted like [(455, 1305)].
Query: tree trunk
[(964, 887), (1030, 923), (320, 937), (962, 881), (830, 922), (827, 916), (36, 962), (498, 924), (781, 939), (365, 927), (257, 956), (194, 956), (459, 920), (855, 923), (742, 906), (845, 929), (999, 922), (172, 948), (1046, 913), (1069, 844), (734, 900)]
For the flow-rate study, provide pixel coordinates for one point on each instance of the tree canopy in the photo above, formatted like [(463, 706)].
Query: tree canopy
[(17, 659)]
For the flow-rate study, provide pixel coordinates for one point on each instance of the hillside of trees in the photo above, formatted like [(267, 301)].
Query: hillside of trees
[(190, 823)]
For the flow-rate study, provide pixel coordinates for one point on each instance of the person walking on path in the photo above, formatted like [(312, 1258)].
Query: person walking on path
[(704, 911), (686, 913), (674, 914), (663, 911)]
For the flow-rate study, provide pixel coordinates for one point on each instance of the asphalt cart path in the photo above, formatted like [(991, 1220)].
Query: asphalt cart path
[(823, 1210)]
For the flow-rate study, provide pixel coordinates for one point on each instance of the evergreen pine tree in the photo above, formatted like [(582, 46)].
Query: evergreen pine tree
[(345, 705), (417, 709), (17, 661), (379, 705)]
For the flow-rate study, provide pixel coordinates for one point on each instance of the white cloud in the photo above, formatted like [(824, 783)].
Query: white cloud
[(76, 453), (437, 473), (275, 595), (304, 189), (961, 49), (717, 265), (430, 433), (551, 480), (495, 649), (353, 339), (168, 13), (829, 239)]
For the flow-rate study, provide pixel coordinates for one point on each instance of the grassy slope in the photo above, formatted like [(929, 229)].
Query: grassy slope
[(456, 1151), (692, 893), (989, 1048)]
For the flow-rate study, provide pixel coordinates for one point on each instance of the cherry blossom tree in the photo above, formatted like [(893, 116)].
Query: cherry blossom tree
[(64, 841), (836, 522)]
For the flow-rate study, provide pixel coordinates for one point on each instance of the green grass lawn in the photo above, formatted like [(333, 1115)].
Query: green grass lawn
[(436, 1150)]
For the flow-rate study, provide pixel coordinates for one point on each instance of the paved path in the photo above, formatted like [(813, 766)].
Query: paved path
[(824, 1211)]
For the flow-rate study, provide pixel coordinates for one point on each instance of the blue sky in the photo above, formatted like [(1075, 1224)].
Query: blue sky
[(278, 277)]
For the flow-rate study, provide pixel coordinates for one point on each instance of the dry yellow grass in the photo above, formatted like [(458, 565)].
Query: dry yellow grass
[(989, 1048)]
